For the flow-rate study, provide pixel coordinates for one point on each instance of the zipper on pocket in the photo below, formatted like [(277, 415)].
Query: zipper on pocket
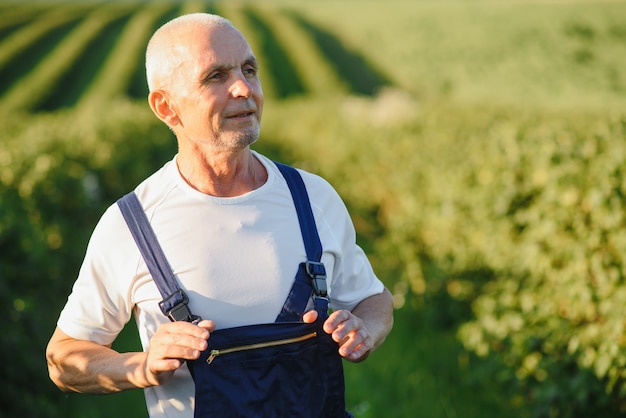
[(215, 353)]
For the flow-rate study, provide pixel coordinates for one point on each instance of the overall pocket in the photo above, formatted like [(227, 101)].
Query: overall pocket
[(288, 369)]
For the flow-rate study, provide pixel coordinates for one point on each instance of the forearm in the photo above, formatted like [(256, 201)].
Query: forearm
[(376, 312), (87, 367)]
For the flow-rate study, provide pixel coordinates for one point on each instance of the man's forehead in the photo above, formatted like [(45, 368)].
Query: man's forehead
[(220, 55), (225, 45)]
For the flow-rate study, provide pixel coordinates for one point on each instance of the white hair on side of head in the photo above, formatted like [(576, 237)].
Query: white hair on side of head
[(157, 59)]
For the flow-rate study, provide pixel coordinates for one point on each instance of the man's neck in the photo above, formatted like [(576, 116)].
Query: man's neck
[(226, 174)]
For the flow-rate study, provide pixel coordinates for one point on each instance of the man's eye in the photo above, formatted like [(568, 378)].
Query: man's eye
[(250, 71), (214, 77)]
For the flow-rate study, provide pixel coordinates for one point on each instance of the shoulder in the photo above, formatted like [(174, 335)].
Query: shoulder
[(316, 182), (318, 188), (327, 205), (111, 234), (320, 191), (154, 189), (322, 194)]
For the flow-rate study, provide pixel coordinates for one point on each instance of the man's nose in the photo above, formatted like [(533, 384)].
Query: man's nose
[(241, 87)]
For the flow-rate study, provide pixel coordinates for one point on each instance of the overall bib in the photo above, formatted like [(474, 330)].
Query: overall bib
[(283, 369)]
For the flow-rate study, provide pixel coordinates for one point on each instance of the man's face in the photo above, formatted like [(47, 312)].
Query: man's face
[(216, 91)]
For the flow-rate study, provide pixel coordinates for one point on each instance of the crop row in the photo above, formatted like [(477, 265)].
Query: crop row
[(73, 54)]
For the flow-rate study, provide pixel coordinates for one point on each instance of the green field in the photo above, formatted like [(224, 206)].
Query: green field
[(480, 146)]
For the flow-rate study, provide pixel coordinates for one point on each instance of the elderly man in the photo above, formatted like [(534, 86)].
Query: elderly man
[(224, 216)]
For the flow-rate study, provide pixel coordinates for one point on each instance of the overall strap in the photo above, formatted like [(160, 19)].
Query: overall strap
[(311, 277), (315, 278), (174, 303)]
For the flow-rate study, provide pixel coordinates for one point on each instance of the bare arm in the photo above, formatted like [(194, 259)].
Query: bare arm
[(361, 331), (87, 367)]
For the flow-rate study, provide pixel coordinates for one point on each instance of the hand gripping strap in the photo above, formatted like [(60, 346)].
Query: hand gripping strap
[(174, 303)]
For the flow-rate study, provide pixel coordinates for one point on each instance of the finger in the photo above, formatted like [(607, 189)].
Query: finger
[(207, 324), (355, 344), (310, 316), (342, 321), (164, 349), (172, 341), (187, 328), (358, 354), (350, 333), (165, 365)]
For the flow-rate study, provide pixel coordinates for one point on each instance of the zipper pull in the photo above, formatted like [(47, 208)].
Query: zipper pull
[(214, 353)]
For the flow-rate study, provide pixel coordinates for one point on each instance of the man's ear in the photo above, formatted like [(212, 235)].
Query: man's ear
[(162, 107)]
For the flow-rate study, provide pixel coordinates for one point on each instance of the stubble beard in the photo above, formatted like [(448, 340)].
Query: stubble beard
[(237, 140)]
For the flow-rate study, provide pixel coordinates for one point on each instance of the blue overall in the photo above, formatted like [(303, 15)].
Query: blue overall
[(283, 369)]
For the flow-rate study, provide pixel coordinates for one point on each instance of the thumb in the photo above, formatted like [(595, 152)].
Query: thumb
[(310, 316)]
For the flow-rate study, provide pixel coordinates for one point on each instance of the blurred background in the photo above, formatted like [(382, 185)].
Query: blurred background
[(479, 145)]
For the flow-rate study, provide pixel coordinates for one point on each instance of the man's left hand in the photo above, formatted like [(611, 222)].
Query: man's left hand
[(348, 330)]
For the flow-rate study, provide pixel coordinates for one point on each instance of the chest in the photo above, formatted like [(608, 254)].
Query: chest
[(236, 263)]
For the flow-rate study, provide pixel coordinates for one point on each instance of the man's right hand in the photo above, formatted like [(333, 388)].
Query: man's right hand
[(172, 344), (87, 367)]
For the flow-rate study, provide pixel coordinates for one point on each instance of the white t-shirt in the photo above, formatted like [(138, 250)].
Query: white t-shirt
[(236, 258)]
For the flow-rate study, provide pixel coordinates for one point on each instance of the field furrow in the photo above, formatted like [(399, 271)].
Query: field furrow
[(287, 80), (353, 67), (11, 17), (77, 79), (309, 62), (35, 88), (196, 6), (113, 79), (33, 24), (22, 49)]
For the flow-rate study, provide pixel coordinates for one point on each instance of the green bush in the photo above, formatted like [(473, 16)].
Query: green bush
[(516, 213), (555, 313), (504, 220), (57, 175)]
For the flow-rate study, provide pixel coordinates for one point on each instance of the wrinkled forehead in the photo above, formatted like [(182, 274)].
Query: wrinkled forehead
[(217, 46), (182, 50)]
